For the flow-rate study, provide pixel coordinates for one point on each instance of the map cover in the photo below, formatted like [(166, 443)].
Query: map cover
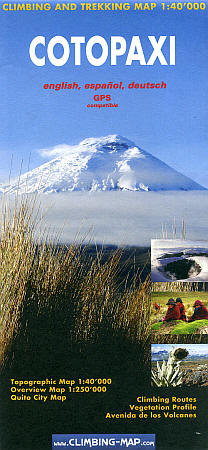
[(104, 244)]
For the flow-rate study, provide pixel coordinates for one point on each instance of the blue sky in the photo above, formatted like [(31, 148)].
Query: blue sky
[(171, 124)]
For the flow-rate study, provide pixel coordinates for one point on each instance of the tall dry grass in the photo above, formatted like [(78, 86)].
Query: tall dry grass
[(179, 286), (54, 297)]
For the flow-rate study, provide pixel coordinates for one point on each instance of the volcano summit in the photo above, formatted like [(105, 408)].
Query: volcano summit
[(103, 164)]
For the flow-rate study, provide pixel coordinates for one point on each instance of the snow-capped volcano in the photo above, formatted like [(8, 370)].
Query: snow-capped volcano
[(103, 164)]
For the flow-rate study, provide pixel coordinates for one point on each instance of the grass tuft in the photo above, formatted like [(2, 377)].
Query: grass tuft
[(189, 328), (55, 299), (156, 326)]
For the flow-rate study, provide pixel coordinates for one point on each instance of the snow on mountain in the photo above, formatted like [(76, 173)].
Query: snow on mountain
[(159, 356), (103, 164), (196, 351), (166, 251)]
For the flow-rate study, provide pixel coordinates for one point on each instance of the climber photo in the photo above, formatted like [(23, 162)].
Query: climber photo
[(179, 308)]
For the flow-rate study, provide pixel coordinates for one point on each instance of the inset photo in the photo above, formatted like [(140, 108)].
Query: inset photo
[(179, 260), (179, 365), (179, 308)]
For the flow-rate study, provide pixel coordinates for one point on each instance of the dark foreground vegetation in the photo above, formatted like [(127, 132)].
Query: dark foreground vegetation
[(58, 302), (72, 312)]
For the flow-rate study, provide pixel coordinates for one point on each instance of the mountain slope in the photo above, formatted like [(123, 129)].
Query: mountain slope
[(100, 164)]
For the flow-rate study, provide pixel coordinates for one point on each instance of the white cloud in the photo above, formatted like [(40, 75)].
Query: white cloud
[(156, 348), (57, 150), (127, 217)]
